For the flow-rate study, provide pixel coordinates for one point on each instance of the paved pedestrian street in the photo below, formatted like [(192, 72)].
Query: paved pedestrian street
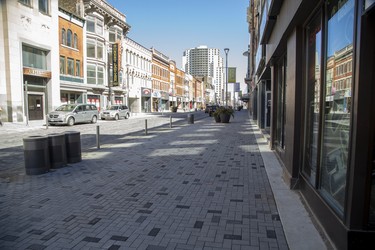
[(192, 186)]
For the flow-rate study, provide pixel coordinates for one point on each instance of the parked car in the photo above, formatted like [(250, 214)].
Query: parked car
[(115, 112), (71, 114)]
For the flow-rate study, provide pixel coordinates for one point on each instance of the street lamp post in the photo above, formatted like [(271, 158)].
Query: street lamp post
[(226, 50)]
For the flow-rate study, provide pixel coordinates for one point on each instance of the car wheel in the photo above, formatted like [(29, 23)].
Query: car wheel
[(116, 117), (94, 119), (70, 121), (127, 116), (102, 118)]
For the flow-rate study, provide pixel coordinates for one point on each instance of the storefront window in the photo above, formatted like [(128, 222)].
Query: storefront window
[(336, 124), (314, 53), (34, 58), (280, 126)]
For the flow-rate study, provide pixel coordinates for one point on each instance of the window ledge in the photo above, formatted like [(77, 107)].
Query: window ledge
[(68, 47)]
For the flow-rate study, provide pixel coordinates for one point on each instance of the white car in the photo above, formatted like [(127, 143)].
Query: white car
[(115, 112)]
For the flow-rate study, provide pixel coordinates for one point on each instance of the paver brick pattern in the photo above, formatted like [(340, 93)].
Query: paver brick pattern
[(193, 186)]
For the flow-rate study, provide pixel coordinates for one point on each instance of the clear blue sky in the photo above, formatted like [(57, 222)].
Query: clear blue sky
[(172, 26)]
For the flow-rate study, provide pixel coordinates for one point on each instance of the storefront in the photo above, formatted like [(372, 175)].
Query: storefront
[(36, 77), (164, 101), (146, 100), (322, 97)]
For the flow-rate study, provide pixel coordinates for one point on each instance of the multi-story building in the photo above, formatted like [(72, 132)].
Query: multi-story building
[(180, 87), (29, 75), (105, 30), (137, 63), (205, 62), (71, 51), (198, 99), (314, 65), (160, 81)]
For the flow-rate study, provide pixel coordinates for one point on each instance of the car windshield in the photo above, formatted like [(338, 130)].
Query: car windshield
[(113, 108), (66, 107)]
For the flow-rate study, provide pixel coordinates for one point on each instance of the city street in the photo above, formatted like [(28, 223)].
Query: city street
[(193, 186)]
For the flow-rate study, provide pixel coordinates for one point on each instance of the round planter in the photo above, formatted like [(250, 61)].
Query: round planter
[(224, 118), (217, 118)]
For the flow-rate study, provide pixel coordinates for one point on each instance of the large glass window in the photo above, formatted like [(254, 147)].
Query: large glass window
[(327, 120), (280, 126), (34, 58), (314, 55), (336, 124)]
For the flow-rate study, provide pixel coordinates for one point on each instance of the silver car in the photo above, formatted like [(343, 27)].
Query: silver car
[(71, 114), (115, 112)]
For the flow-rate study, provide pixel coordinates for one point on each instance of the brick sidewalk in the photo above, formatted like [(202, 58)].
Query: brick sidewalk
[(194, 186)]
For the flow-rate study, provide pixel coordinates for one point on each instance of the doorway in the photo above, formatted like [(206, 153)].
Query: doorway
[(35, 107)]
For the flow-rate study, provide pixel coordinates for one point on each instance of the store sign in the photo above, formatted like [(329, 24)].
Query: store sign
[(36, 72), (115, 64), (146, 92)]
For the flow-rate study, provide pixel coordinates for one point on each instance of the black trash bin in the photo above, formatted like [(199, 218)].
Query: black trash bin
[(36, 155), (57, 150), (73, 146), (190, 118)]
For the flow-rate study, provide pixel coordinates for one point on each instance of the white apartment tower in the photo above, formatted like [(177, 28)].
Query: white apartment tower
[(205, 62)]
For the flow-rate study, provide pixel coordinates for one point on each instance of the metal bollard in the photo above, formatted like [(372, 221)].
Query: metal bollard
[(97, 137), (190, 118), (47, 122), (170, 121), (145, 126)]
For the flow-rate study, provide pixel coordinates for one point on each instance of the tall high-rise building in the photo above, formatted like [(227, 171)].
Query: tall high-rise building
[(205, 62)]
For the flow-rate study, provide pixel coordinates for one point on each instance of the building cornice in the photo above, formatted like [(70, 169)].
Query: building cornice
[(111, 15)]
